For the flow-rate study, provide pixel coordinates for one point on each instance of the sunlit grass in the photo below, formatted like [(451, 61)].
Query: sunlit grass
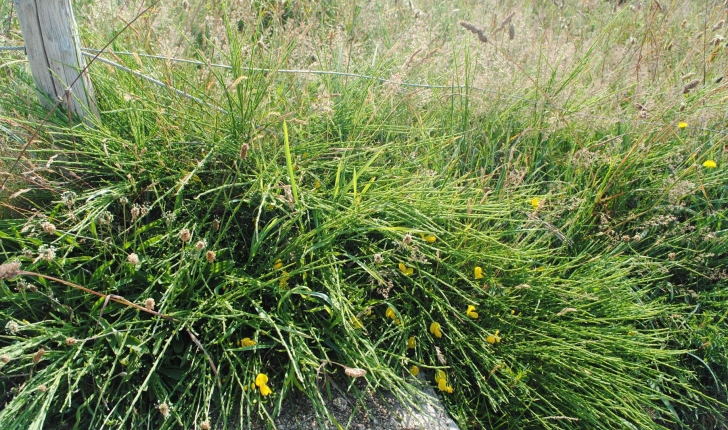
[(551, 257)]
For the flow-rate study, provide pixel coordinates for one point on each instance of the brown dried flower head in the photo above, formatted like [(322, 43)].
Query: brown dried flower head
[(216, 224), (5, 359), (48, 227), (185, 235), (200, 245), (164, 409), (71, 341), (690, 85), (42, 388), (407, 239), (210, 256), (149, 304), (9, 270), (205, 425), (244, 151), (38, 356), (355, 372), (133, 258)]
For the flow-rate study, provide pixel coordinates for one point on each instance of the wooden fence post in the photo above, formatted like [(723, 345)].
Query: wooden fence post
[(54, 52)]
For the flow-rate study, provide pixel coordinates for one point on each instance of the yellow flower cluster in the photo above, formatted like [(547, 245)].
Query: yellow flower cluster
[(493, 338), (392, 315), (261, 381), (441, 379), (478, 272), (710, 164)]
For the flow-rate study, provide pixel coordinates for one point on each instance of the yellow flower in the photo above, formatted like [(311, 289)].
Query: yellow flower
[(278, 264), (441, 380), (428, 237), (411, 342), (283, 282), (414, 370), (709, 164), (493, 338), (265, 390), (356, 322), (390, 313), (471, 312), (246, 342), (534, 202), (406, 270), (435, 329), (682, 124), (478, 272), (261, 379)]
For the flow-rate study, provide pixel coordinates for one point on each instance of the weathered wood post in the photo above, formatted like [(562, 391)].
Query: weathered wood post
[(54, 52)]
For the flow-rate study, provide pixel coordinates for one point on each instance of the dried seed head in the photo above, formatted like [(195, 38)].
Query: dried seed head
[(210, 256), (244, 151), (355, 372), (124, 200), (71, 341), (149, 304), (440, 356), (672, 256), (5, 359), (133, 259), (68, 198), (511, 31), (135, 211), (718, 25), (205, 425), (475, 30), (12, 328), (48, 227), (378, 258), (185, 235), (200, 245), (407, 239), (185, 5), (216, 224), (38, 356), (565, 311), (164, 409), (690, 85), (9, 270)]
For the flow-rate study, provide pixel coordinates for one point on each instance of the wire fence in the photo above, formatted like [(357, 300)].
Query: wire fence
[(90, 52)]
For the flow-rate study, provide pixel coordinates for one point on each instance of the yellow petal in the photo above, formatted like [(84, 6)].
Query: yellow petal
[(390, 313), (442, 384), (406, 270), (411, 342), (429, 238), (265, 390), (682, 125), (534, 202), (440, 376), (490, 339), (478, 272), (278, 264), (435, 329), (414, 370), (710, 164), (261, 379), (246, 341), (471, 312)]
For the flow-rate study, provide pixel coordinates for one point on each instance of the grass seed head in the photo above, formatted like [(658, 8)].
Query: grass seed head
[(210, 256), (12, 328), (205, 425), (4, 359), (38, 356), (70, 341), (133, 258), (690, 85), (48, 227), (149, 304)]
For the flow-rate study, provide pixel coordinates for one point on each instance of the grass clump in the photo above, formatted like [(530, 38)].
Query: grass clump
[(200, 261)]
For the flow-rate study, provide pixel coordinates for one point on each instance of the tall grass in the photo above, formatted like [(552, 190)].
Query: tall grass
[(568, 244)]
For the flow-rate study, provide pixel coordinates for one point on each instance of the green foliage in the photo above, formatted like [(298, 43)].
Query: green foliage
[(327, 221)]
